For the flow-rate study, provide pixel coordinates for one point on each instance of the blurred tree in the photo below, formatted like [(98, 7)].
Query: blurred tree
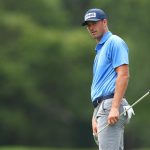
[(43, 12), (46, 70)]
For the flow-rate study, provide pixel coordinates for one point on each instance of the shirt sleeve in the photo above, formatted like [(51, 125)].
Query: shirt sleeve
[(119, 52)]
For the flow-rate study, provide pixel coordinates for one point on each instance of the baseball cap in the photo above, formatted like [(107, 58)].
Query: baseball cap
[(94, 14)]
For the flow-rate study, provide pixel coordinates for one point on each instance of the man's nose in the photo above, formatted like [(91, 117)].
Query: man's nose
[(91, 26)]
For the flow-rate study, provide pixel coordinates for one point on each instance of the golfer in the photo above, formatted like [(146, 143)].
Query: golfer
[(110, 81)]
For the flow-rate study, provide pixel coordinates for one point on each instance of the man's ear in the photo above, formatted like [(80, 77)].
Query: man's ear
[(105, 23)]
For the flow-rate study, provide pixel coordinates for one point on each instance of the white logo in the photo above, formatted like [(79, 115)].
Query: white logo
[(89, 15)]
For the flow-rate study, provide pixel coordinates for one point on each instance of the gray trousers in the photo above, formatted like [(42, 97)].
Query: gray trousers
[(112, 137)]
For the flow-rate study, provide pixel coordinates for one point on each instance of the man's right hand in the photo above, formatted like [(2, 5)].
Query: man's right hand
[(94, 126)]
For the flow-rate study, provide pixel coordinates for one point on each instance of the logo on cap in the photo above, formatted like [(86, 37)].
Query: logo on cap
[(89, 15)]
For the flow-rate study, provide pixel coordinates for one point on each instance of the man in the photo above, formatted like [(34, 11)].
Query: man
[(110, 80)]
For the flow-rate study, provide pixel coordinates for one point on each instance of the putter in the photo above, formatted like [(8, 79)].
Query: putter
[(125, 111)]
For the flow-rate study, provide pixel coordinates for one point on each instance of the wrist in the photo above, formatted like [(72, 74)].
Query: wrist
[(116, 103), (115, 106)]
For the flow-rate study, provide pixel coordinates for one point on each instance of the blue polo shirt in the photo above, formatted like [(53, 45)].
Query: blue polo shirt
[(111, 52)]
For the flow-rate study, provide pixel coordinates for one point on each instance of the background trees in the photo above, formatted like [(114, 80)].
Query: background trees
[(46, 70)]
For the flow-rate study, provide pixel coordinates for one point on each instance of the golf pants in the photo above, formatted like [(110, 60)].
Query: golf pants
[(112, 137)]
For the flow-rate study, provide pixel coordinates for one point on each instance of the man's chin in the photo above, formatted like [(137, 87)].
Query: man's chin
[(94, 36)]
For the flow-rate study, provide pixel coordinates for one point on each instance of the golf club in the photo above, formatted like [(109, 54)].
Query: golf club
[(136, 102)]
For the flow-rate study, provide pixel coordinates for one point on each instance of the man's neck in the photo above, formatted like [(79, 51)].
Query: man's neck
[(98, 39)]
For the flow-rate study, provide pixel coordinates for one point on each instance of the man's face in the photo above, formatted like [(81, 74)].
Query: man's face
[(97, 28)]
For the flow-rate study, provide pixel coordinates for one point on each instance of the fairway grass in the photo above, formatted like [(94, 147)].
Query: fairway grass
[(37, 148)]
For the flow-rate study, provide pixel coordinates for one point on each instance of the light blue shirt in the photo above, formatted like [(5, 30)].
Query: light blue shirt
[(111, 52)]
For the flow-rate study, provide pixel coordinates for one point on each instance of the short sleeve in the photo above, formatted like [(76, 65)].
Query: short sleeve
[(119, 52)]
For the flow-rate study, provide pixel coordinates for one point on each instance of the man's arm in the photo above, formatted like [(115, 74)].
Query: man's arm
[(120, 88)]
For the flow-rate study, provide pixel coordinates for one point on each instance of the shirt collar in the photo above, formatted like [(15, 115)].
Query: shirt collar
[(103, 40)]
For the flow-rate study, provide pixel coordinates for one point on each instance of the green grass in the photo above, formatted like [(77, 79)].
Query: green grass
[(142, 149), (35, 148)]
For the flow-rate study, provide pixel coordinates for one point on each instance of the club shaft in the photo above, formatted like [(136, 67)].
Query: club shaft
[(136, 102)]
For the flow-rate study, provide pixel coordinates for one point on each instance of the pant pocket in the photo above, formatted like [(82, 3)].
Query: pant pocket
[(107, 106), (101, 111)]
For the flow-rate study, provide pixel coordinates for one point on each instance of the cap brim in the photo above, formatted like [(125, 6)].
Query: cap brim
[(92, 20)]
